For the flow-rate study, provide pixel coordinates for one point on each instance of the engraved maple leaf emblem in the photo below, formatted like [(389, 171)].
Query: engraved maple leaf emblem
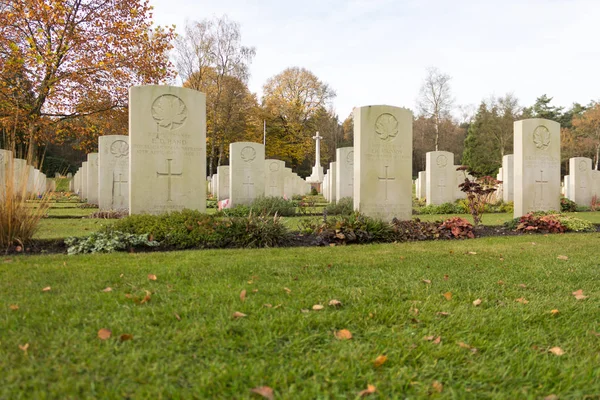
[(541, 137), (119, 148), (169, 112), (386, 127)]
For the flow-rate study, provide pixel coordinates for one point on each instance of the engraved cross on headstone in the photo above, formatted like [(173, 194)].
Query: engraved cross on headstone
[(386, 178), (442, 186), (168, 174), (541, 184), (247, 185), (273, 188), (118, 184)]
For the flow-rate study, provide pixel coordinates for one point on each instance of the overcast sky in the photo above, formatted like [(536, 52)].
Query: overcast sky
[(377, 51)]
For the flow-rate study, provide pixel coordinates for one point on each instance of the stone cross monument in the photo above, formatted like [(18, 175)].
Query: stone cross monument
[(317, 170)]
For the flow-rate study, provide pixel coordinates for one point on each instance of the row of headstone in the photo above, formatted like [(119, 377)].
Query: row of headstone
[(440, 181), (583, 182), (24, 178), (250, 176), (338, 181)]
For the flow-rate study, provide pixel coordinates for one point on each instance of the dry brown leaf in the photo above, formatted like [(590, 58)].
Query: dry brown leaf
[(24, 347), (243, 295), (468, 347), (238, 314), (263, 391), (177, 316), (335, 303), (369, 390), (255, 291), (557, 351), (108, 289), (437, 340), (13, 307), (46, 289), (146, 298), (428, 338), (304, 310), (446, 277), (579, 295), (522, 300), (595, 333), (437, 386), (554, 312), (288, 290), (268, 305), (443, 313), (104, 334), (522, 286), (318, 307), (277, 306), (472, 253), (152, 277), (477, 302), (414, 311), (125, 337), (500, 282), (448, 296), (426, 281), (551, 397), (564, 258), (379, 361), (343, 334)]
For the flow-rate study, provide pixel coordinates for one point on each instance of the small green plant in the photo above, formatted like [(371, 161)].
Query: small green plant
[(567, 205), (344, 206), (573, 224), (108, 242), (445, 208), (313, 191), (109, 214), (458, 228), (270, 205), (543, 222)]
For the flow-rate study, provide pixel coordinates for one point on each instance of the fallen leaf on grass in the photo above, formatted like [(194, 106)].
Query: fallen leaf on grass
[(104, 334), (277, 306), (522, 300), (263, 391), (13, 307), (152, 277), (146, 298), (595, 333), (379, 361), (369, 390), (46, 289), (243, 295), (579, 295), (448, 296), (522, 286), (238, 314), (437, 386), (177, 316), (564, 258), (468, 347), (288, 290), (472, 253), (108, 289), (304, 310), (414, 311), (554, 312), (477, 302), (317, 307), (500, 282), (557, 351), (433, 339), (446, 277), (426, 281), (125, 337), (255, 291), (443, 313), (335, 303), (24, 347), (551, 397), (343, 334)]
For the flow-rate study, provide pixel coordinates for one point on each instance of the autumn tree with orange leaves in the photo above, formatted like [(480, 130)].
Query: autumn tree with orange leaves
[(66, 66)]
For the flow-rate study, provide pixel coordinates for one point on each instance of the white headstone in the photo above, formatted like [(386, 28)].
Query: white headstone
[(508, 178), (92, 178), (113, 172), (30, 180), (332, 182), (580, 183), (288, 183), (383, 162), (84, 168), (167, 157), (441, 177), (422, 187), (246, 172), (344, 173), (536, 166), (222, 182), (274, 174)]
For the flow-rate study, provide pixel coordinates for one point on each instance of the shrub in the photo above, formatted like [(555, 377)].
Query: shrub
[(237, 211), (19, 220), (344, 206), (458, 228), (297, 197), (270, 205), (405, 231), (211, 204), (540, 222), (313, 191), (109, 214), (354, 228), (567, 205), (87, 205), (107, 242), (479, 193), (573, 224), (254, 231), (446, 208)]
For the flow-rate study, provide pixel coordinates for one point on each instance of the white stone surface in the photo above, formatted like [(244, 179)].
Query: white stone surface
[(581, 185), (167, 157), (332, 182), (344, 173), (536, 166), (383, 162), (288, 183), (20, 172), (113, 172), (31, 180), (508, 178), (246, 172), (317, 171), (274, 176), (566, 185), (422, 186), (92, 178), (441, 176), (222, 182)]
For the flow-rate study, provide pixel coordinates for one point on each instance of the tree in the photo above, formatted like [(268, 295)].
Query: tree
[(295, 101), (435, 99), (61, 60), (587, 128), (210, 58)]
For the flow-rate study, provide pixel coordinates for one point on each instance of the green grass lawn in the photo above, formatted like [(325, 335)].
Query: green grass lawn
[(186, 344)]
